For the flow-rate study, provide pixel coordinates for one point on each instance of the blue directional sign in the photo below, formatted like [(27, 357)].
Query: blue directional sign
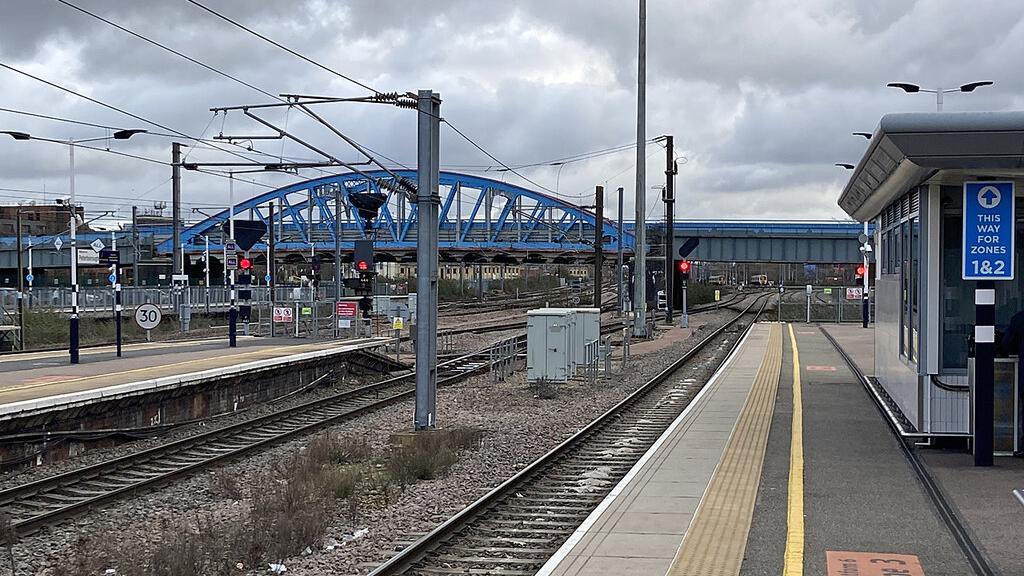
[(988, 231), (29, 277), (112, 278), (267, 277)]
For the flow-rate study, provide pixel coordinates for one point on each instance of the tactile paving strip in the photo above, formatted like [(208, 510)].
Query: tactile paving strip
[(717, 537)]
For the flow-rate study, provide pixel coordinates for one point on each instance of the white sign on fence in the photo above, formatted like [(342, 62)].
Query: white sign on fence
[(855, 293), (283, 314)]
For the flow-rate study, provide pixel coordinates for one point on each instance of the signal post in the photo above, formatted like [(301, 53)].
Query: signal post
[(683, 270)]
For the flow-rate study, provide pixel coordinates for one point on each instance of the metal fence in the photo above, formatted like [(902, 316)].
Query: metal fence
[(817, 304), (212, 298)]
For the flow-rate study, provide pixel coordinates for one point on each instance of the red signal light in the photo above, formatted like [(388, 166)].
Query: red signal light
[(860, 270), (362, 266), (245, 263), (684, 266)]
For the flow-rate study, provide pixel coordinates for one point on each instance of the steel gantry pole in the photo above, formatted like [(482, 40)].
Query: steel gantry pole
[(670, 199), (21, 285), (598, 243), (639, 250), (337, 256), (271, 272), (135, 246), (618, 263), (176, 206), (427, 203), (116, 274), (206, 271), (73, 226), (233, 310)]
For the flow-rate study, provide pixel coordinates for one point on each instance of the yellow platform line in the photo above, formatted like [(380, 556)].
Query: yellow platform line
[(794, 558), (717, 537)]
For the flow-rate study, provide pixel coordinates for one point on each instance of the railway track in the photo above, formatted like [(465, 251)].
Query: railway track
[(516, 527), (478, 328), (48, 501)]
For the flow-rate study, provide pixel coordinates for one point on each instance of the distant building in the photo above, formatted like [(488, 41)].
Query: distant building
[(37, 219)]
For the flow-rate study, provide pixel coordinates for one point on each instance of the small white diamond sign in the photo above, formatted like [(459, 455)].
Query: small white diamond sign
[(58, 243), (97, 245)]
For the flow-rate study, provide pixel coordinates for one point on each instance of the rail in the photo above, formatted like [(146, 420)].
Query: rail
[(51, 500), (514, 489)]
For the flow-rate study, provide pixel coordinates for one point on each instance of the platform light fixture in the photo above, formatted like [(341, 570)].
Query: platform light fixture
[(910, 88)]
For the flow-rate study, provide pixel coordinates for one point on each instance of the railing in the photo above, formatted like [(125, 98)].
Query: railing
[(591, 361), (502, 357), (213, 298)]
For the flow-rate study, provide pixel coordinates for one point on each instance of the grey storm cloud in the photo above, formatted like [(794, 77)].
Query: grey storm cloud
[(761, 95)]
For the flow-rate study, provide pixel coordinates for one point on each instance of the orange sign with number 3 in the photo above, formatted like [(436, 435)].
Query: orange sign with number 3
[(872, 564)]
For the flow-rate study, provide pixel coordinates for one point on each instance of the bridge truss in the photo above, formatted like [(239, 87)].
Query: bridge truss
[(481, 219)]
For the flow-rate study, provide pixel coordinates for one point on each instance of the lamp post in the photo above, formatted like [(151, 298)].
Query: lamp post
[(73, 219), (865, 250), (914, 88)]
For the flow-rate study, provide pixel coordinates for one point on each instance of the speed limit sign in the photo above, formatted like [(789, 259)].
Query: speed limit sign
[(148, 316)]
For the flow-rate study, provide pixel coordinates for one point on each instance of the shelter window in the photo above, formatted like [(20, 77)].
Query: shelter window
[(958, 294)]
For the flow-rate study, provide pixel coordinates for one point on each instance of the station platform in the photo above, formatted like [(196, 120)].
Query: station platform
[(45, 380), (781, 465)]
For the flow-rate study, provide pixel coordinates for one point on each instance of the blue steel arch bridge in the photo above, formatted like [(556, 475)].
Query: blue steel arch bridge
[(479, 219)]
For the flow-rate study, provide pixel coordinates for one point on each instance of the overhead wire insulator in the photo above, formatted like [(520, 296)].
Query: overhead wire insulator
[(403, 185)]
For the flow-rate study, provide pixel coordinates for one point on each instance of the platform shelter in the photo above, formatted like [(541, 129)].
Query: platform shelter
[(912, 183)]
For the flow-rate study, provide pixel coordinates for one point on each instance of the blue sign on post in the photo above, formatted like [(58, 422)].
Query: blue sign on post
[(29, 277), (988, 231)]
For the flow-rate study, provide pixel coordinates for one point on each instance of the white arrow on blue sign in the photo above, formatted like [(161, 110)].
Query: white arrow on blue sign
[(29, 277), (267, 277), (112, 278), (988, 231)]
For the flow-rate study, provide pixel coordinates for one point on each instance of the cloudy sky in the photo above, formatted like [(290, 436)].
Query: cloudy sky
[(761, 95)]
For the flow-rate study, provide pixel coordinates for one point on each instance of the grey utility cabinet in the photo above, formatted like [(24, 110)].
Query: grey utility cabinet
[(550, 344)]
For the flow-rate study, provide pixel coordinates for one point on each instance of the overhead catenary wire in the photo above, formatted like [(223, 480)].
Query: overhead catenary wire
[(282, 47), (114, 108), (224, 74), (167, 48), (202, 142), (374, 90)]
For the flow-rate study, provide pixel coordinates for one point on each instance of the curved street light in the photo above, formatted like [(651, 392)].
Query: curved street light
[(914, 88), (73, 225)]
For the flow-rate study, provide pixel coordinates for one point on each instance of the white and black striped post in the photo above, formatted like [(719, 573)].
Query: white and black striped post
[(984, 371)]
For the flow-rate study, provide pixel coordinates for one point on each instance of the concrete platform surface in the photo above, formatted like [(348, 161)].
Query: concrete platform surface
[(796, 475), (983, 497), (860, 498), (32, 381), (638, 528), (858, 342)]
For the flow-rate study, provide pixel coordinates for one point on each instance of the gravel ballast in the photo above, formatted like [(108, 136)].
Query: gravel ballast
[(517, 426)]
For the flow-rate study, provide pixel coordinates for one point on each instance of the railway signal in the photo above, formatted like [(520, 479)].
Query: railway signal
[(860, 271), (363, 256), (684, 270), (245, 264)]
